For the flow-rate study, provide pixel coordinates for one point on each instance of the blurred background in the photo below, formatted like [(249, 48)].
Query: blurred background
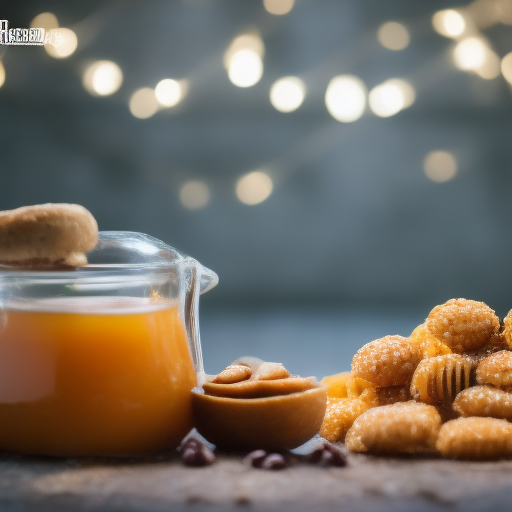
[(343, 165)]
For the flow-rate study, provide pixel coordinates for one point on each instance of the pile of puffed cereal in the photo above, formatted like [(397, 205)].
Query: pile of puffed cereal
[(446, 388)]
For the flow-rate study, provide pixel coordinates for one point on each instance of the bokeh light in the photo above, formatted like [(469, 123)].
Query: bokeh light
[(194, 194), (67, 46), (386, 99), (254, 188), (287, 94), (244, 59), (393, 36), (103, 78), (506, 67), (168, 92), (406, 89), (470, 54), (345, 98), (278, 7), (491, 67), (484, 13), (449, 23), (440, 166), (251, 41), (245, 68), (46, 20), (2, 74), (143, 103), (505, 11)]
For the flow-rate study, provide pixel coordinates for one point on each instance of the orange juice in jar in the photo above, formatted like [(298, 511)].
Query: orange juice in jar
[(100, 374)]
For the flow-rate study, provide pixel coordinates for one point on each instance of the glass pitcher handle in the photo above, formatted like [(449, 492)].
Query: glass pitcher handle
[(192, 319)]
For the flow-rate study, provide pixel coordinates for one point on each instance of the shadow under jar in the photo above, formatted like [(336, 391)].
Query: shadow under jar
[(101, 360)]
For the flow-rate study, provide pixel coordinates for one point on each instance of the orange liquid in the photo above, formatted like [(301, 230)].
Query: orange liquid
[(106, 377)]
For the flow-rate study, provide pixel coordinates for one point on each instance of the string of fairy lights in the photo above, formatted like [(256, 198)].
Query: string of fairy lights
[(346, 98)]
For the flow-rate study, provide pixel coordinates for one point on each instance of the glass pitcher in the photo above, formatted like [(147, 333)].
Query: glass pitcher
[(101, 360)]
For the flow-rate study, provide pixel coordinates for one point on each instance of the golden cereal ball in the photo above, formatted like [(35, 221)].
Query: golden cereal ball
[(369, 396), (336, 385), (366, 391), (362, 389), (427, 343), (496, 343), (475, 438), (438, 380), (393, 394), (495, 369), (484, 401), (507, 329), (357, 386), (339, 416), (464, 325), (404, 427), (388, 361)]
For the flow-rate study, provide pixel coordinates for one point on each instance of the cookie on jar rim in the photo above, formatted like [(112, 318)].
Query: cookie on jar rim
[(47, 236)]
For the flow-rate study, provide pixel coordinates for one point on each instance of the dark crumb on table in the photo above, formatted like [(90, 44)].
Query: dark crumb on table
[(195, 453)]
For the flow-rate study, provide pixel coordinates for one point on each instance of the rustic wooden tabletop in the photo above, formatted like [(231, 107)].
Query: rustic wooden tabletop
[(162, 483)]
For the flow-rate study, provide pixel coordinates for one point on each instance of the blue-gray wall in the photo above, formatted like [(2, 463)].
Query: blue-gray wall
[(353, 218)]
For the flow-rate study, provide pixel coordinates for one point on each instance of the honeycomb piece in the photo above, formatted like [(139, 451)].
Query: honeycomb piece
[(404, 427), (427, 343), (495, 369), (475, 438), (336, 385), (388, 361), (339, 416), (496, 343), (484, 401), (393, 394), (438, 380), (464, 325)]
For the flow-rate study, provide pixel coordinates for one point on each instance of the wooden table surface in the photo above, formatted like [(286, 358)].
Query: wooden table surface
[(162, 483)]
